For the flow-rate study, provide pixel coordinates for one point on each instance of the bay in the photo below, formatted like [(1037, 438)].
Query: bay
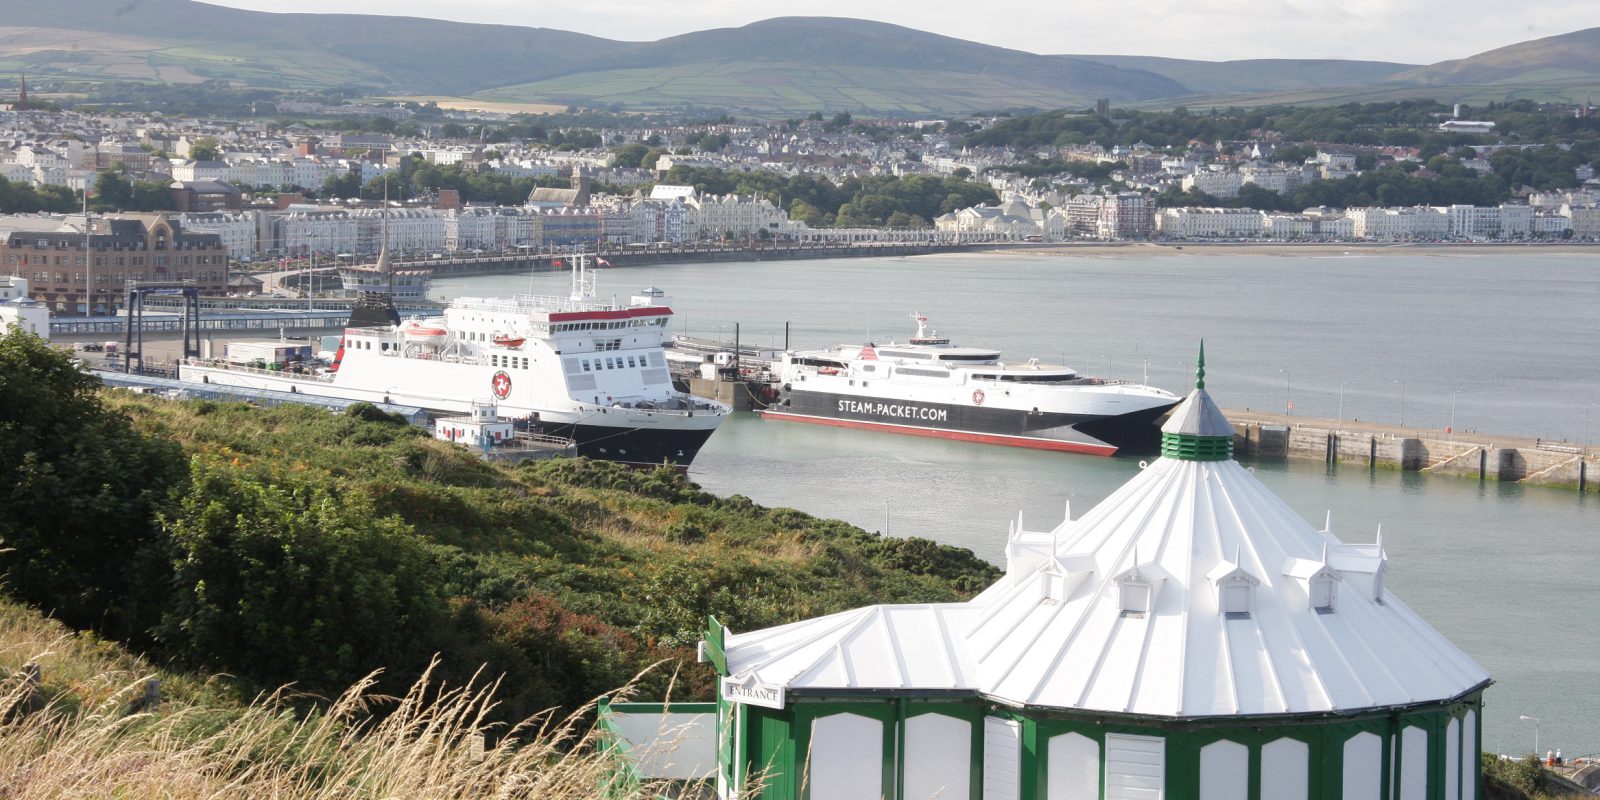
[(1501, 343)]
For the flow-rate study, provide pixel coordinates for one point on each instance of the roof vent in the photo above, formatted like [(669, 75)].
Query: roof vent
[(1235, 587)]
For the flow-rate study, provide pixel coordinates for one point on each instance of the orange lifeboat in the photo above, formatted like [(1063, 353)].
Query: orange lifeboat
[(424, 332), (508, 340)]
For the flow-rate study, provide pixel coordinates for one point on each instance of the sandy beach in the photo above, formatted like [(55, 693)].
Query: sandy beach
[(1288, 249)]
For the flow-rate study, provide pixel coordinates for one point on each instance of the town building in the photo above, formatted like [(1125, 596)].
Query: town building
[(126, 249), (1125, 215), (1209, 223), (20, 310), (1216, 183), (1189, 637)]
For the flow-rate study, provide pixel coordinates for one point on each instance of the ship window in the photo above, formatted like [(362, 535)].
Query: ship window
[(922, 373), (870, 368), (630, 362), (586, 365)]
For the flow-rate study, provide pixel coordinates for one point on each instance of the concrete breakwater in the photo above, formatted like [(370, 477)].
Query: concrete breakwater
[(460, 267), (1468, 455)]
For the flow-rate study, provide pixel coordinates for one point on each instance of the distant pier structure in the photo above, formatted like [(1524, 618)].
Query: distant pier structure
[(1508, 459)]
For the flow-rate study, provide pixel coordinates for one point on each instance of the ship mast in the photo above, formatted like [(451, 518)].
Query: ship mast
[(383, 246)]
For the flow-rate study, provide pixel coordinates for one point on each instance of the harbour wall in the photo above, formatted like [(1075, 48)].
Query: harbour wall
[(1489, 458), (683, 254)]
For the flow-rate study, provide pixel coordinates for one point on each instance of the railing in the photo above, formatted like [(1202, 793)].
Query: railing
[(271, 373)]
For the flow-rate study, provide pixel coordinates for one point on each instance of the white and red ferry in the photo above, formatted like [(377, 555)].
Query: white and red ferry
[(572, 366), (929, 387)]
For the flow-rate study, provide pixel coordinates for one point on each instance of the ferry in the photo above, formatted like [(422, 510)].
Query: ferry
[(930, 387), (571, 367)]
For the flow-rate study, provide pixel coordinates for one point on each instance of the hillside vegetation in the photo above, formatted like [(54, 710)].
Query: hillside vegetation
[(83, 731), (773, 67), (294, 545)]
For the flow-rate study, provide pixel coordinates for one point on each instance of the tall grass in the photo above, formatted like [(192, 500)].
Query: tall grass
[(75, 735)]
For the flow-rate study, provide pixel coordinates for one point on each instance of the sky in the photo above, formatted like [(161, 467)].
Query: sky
[(1406, 31)]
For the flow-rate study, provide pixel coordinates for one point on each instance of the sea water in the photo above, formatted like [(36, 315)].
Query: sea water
[(1505, 343)]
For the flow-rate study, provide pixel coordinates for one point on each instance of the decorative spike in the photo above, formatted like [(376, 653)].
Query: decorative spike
[(1068, 516), (1380, 537), (1237, 549), (1327, 522), (1324, 553), (1200, 370)]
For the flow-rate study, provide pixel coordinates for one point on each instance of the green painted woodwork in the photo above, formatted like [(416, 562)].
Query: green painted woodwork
[(1186, 447), (716, 645), (779, 740)]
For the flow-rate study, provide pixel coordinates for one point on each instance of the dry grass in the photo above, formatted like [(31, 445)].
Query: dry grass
[(74, 736)]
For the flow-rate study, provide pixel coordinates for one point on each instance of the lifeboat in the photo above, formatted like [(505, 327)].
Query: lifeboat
[(508, 340), (424, 331)]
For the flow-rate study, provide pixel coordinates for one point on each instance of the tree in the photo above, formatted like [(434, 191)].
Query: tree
[(629, 156), (962, 173), (112, 192), (204, 148), (266, 559), (77, 532)]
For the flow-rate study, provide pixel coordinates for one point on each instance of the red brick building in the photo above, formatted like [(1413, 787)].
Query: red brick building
[(130, 247)]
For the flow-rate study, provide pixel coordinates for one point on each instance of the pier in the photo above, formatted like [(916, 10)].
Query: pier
[(1486, 457)]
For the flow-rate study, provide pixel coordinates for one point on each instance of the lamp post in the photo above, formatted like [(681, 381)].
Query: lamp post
[(1586, 410), (1341, 405), (1535, 721), (1453, 396), (1108, 366), (1402, 402), (1288, 405)]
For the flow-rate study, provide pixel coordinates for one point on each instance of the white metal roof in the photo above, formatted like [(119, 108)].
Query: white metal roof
[(1054, 632)]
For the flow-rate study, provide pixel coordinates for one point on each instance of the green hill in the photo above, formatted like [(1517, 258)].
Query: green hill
[(776, 67), (1258, 75), (1561, 58), (294, 545)]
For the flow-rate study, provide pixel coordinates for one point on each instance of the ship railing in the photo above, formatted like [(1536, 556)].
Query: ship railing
[(524, 303), (672, 408), (219, 363)]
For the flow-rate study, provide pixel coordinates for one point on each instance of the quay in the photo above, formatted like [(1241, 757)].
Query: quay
[(683, 254), (1486, 457)]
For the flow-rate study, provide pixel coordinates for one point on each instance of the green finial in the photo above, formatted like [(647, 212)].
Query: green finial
[(1200, 373)]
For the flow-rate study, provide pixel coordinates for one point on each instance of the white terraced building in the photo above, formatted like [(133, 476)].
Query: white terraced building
[(1189, 638)]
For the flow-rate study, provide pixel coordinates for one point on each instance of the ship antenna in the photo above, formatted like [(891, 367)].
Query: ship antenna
[(383, 246)]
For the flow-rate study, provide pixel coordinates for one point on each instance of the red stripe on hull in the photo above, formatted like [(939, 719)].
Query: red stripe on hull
[(959, 436)]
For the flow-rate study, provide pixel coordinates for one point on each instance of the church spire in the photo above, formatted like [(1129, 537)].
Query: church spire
[(22, 93)]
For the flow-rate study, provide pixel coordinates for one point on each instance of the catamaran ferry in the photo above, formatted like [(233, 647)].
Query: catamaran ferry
[(929, 387), (572, 367)]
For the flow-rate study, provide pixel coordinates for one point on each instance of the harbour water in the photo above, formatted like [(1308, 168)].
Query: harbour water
[(1510, 341)]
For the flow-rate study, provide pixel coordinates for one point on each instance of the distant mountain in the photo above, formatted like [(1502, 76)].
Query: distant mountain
[(182, 40), (782, 66), (1553, 58), (801, 63), (1259, 75)]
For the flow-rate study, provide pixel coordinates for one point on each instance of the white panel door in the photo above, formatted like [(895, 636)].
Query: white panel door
[(938, 758), (1285, 770), (1073, 768), (1469, 756), (1363, 767), (1002, 759), (1135, 767), (1452, 760), (1414, 764), (846, 758), (1224, 771)]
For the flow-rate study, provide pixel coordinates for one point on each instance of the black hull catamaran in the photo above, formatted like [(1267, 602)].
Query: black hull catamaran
[(929, 387)]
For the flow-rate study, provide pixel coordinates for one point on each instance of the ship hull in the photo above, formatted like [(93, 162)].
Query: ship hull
[(1094, 434), (637, 437)]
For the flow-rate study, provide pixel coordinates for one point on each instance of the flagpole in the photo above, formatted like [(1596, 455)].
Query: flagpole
[(88, 260)]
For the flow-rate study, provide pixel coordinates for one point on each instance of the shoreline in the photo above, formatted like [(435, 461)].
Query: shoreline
[(1287, 249)]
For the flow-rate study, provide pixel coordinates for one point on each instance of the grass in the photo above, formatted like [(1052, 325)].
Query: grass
[(78, 738), (789, 88)]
